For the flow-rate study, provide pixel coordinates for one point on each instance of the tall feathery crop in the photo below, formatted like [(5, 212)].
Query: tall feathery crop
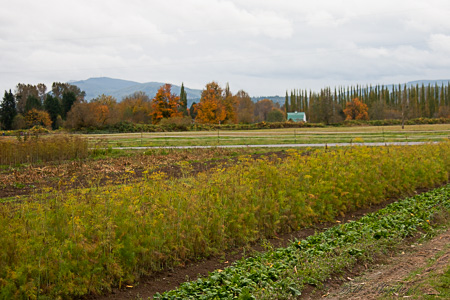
[(86, 241), (42, 149)]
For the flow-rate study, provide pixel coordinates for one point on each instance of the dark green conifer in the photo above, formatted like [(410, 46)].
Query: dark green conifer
[(8, 110), (33, 102), (53, 107), (183, 101)]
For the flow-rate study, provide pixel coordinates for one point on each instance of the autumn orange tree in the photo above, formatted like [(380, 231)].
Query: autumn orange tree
[(37, 117), (165, 104), (105, 110), (356, 110), (211, 109)]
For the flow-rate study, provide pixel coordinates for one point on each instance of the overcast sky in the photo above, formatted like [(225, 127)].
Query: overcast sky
[(264, 47)]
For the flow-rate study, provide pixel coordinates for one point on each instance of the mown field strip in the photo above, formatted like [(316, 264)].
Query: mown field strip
[(281, 145), (273, 136), (266, 133)]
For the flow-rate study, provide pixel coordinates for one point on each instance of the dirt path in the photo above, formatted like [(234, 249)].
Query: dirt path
[(393, 277)]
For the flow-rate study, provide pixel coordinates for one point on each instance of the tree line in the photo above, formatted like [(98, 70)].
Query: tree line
[(32, 105), (64, 106), (381, 102)]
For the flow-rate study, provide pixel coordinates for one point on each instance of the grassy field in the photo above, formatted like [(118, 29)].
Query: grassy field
[(276, 136)]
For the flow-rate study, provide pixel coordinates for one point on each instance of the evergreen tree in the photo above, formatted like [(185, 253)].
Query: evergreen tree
[(33, 102), (53, 107), (183, 101), (8, 110), (68, 99)]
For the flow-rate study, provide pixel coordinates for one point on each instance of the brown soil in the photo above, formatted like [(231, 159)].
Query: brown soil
[(112, 171), (394, 277), (170, 279)]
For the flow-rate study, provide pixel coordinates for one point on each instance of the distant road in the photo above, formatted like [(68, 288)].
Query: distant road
[(280, 145)]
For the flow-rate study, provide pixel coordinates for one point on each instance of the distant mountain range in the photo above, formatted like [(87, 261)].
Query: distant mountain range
[(275, 99), (119, 88), (439, 82)]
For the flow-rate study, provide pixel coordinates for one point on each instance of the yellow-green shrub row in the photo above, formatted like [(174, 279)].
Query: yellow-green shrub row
[(88, 240), (41, 149)]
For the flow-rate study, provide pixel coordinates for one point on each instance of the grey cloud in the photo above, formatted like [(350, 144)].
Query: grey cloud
[(264, 47)]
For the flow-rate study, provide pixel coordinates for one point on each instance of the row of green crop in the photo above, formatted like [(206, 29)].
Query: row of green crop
[(86, 241), (283, 273), (33, 149)]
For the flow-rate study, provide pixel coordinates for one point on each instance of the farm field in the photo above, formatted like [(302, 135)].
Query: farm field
[(283, 273), (116, 167), (381, 134), (89, 225)]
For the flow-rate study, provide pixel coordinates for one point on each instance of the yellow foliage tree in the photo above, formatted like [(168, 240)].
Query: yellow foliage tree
[(211, 109), (105, 110), (38, 117), (135, 108)]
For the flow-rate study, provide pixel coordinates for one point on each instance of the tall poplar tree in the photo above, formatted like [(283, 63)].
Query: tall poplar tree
[(286, 104), (293, 102)]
